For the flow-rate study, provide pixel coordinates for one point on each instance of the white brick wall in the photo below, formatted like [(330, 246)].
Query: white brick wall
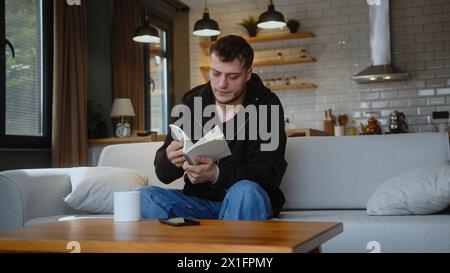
[(420, 31)]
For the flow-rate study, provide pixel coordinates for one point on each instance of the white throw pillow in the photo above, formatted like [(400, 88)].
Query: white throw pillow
[(424, 190), (93, 187)]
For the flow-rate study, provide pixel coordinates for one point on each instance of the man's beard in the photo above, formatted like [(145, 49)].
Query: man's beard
[(242, 92)]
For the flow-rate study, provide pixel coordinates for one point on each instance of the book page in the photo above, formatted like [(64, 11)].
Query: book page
[(216, 149), (181, 136), (215, 133), (213, 145)]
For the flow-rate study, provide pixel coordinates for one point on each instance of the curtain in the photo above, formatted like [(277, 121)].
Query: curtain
[(69, 132), (127, 59)]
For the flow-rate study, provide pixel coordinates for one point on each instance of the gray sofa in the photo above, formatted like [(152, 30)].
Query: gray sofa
[(328, 179)]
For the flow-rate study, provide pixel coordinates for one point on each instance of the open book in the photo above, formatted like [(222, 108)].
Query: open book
[(212, 145)]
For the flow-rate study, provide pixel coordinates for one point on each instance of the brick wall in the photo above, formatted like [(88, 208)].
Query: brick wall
[(420, 34)]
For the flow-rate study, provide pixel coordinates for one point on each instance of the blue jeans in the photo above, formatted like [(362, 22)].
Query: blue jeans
[(245, 200)]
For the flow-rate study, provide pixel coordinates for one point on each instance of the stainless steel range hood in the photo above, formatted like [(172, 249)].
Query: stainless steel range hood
[(380, 48)]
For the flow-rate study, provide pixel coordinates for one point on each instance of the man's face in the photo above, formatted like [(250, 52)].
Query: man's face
[(228, 79)]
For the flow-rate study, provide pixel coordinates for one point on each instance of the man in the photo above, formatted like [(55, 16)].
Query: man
[(243, 186)]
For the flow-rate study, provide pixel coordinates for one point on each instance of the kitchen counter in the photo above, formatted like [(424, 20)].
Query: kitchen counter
[(301, 132)]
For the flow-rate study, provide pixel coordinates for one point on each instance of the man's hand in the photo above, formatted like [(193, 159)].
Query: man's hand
[(175, 153), (204, 171)]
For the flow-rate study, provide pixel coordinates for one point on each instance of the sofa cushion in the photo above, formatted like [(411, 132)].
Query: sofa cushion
[(410, 233), (139, 157), (93, 187), (343, 172), (423, 190)]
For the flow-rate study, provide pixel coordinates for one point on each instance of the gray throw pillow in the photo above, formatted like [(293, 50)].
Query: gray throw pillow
[(424, 190), (93, 187)]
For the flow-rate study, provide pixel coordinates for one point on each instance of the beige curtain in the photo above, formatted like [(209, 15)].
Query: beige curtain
[(127, 58), (69, 136)]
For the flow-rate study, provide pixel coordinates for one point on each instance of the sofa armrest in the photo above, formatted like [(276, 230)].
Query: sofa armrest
[(27, 194)]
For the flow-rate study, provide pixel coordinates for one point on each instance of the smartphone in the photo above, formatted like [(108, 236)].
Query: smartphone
[(180, 221)]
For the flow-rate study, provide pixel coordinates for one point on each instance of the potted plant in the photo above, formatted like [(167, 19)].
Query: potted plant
[(96, 120), (293, 25), (250, 24)]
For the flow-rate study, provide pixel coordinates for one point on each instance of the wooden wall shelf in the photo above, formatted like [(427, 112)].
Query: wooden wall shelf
[(303, 85), (296, 60), (132, 139), (286, 60), (206, 44), (269, 38), (279, 37)]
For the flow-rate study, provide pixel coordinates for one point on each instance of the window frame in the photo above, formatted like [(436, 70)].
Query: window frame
[(44, 141), (158, 20)]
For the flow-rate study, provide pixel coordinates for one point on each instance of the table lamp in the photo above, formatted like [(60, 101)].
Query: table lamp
[(122, 107)]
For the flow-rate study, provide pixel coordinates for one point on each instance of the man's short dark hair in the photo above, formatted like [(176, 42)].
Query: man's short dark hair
[(233, 47)]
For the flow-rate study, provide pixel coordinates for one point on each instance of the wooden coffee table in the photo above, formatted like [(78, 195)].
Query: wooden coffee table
[(214, 236)]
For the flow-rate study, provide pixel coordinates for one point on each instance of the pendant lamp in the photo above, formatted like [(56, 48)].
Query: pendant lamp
[(146, 33), (271, 18), (206, 26)]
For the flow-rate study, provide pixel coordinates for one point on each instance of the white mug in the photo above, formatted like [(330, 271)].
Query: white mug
[(127, 206), (339, 130)]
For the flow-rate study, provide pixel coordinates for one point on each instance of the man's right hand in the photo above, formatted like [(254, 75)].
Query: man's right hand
[(174, 153)]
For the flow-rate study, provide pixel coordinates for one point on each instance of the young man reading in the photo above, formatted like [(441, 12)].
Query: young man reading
[(243, 186)]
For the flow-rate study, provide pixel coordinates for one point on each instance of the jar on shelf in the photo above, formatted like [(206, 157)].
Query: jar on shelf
[(279, 81), (286, 81), (373, 126), (303, 53), (293, 80)]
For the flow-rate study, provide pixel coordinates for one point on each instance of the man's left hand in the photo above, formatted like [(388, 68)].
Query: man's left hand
[(204, 171)]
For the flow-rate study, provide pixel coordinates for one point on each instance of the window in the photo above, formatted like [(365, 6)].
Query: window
[(157, 61), (158, 84), (25, 77)]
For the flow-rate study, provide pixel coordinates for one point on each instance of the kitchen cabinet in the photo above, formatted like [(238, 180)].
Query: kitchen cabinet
[(279, 60)]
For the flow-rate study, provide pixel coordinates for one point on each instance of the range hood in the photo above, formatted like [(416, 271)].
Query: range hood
[(380, 48)]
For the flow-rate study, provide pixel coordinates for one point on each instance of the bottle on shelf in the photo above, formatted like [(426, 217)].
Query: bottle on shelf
[(352, 129)]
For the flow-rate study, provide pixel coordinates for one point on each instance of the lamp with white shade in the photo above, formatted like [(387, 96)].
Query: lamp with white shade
[(206, 26), (122, 107), (146, 33), (271, 19)]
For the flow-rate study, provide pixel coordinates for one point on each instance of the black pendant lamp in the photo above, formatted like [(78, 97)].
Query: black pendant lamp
[(271, 19), (206, 26), (146, 33)]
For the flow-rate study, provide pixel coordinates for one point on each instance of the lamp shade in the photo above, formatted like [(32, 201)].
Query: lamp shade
[(146, 34), (271, 18), (122, 108), (206, 26)]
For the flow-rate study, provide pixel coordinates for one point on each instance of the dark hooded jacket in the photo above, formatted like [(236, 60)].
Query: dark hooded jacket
[(247, 161)]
